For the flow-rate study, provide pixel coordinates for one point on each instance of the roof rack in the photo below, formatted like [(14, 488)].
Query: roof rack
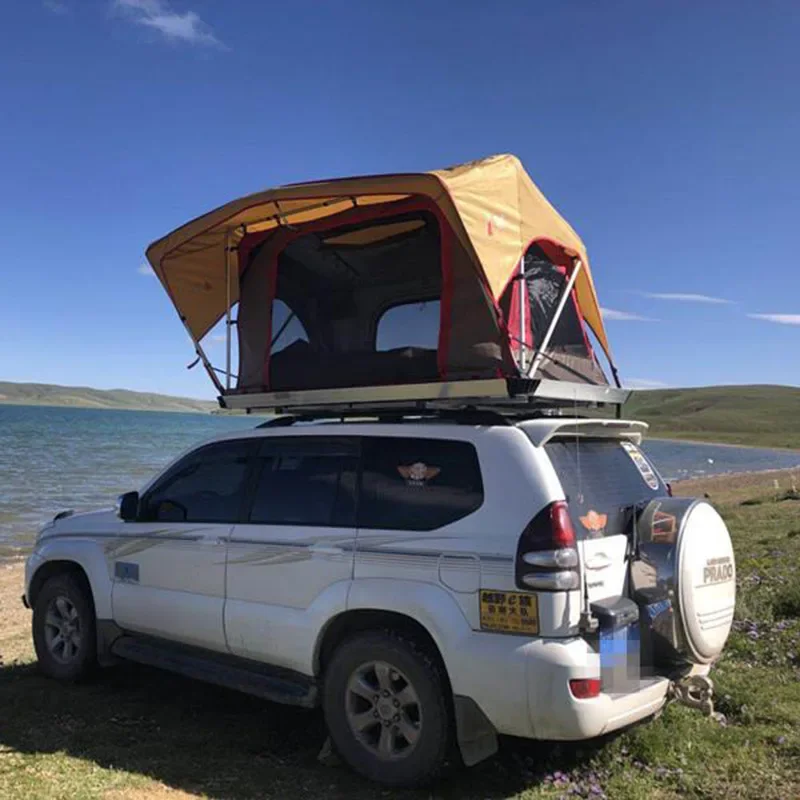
[(509, 396)]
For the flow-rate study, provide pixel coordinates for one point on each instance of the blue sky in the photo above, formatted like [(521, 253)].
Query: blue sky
[(667, 133)]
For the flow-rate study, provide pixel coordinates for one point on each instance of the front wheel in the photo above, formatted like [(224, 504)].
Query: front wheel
[(64, 630), (386, 708)]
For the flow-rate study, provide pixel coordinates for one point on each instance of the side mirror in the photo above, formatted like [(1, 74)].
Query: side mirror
[(128, 506)]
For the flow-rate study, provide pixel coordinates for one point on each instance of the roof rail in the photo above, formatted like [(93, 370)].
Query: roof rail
[(467, 415)]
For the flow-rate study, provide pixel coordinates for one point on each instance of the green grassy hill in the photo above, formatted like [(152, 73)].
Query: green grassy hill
[(765, 416), (40, 394)]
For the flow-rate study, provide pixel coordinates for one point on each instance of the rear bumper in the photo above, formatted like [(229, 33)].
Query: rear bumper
[(522, 686), (571, 719)]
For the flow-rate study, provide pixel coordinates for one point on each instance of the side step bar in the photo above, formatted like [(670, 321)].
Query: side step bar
[(277, 685)]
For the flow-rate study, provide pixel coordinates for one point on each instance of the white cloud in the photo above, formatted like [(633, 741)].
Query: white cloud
[(144, 269), (624, 316), (218, 337), (684, 297), (643, 383), (781, 319), (56, 6), (159, 15)]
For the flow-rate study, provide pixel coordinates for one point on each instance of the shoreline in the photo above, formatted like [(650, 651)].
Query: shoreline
[(752, 473), (704, 442), (89, 407), (215, 411)]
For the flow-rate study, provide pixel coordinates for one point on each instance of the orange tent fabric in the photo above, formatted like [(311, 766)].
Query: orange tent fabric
[(492, 205)]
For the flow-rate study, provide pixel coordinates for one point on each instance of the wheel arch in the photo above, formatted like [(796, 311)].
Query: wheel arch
[(359, 620), (50, 569)]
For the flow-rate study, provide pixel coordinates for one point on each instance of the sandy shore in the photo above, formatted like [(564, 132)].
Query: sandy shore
[(723, 487), (15, 619)]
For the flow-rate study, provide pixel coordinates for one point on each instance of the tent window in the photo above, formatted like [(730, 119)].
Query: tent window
[(286, 327), (409, 325), (545, 283), (340, 282), (569, 355)]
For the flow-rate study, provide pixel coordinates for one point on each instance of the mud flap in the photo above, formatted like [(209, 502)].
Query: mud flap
[(477, 738), (107, 633)]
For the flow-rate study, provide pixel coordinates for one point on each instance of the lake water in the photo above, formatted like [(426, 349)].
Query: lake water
[(57, 458)]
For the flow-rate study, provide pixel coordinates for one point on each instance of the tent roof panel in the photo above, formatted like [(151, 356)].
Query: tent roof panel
[(492, 205)]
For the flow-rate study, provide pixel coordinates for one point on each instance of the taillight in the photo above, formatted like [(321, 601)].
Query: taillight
[(547, 556), (563, 532), (584, 688)]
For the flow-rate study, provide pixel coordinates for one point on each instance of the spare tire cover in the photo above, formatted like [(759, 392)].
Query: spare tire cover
[(685, 551)]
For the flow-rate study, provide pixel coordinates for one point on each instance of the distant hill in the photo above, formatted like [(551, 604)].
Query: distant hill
[(42, 394), (764, 416)]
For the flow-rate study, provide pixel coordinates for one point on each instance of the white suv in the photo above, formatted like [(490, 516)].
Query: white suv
[(427, 582)]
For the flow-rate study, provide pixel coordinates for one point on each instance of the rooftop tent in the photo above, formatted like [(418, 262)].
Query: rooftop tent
[(336, 260)]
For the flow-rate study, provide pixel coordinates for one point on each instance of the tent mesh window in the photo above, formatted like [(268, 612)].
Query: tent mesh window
[(569, 355)]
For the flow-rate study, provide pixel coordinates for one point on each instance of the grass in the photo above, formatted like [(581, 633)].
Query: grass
[(760, 416), (138, 733)]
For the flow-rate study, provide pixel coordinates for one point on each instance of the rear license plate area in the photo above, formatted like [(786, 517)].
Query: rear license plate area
[(620, 658)]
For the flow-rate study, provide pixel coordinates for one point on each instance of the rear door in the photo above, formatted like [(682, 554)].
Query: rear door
[(602, 480), (296, 543)]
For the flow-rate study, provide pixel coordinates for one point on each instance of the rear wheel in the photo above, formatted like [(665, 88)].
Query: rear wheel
[(64, 630), (386, 708)]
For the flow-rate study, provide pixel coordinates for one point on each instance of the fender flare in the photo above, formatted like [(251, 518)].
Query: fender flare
[(86, 553)]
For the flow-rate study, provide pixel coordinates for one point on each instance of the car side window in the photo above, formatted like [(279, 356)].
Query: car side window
[(418, 484), (306, 482), (206, 486)]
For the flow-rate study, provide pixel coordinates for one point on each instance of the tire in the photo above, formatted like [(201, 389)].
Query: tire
[(401, 734), (64, 629)]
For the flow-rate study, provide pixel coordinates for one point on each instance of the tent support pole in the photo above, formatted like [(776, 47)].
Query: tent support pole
[(556, 316), (523, 294), (228, 312), (202, 356)]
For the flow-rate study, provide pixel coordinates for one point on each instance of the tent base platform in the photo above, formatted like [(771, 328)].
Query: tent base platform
[(502, 394)]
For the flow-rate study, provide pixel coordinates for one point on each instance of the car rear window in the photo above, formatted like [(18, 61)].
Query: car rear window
[(602, 479)]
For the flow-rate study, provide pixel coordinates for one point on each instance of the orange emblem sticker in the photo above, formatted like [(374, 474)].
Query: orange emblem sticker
[(418, 474), (594, 522)]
